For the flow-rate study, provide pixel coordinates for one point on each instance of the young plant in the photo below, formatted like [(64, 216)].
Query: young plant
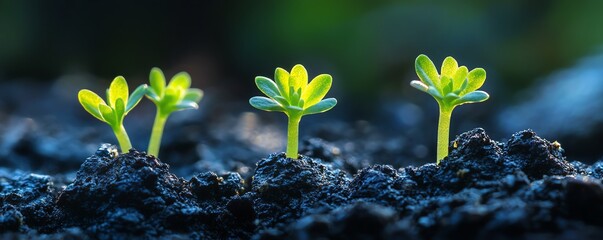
[(176, 96), (291, 94), (454, 86), (119, 106)]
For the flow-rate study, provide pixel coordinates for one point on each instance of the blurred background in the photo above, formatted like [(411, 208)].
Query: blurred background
[(544, 61)]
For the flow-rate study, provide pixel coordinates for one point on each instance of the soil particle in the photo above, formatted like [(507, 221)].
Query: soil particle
[(26, 198), (283, 189), (209, 185), (537, 157)]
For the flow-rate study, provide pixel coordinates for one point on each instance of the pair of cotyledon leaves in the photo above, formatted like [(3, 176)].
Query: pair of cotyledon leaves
[(292, 94), (453, 86), (177, 95)]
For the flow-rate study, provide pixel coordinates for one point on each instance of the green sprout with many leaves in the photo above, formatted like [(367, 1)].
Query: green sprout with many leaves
[(176, 96), (119, 106), (454, 86), (291, 94)]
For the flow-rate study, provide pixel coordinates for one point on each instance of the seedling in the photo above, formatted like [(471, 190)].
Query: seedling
[(119, 106), (453, 87), (176, 96), (291, 94)]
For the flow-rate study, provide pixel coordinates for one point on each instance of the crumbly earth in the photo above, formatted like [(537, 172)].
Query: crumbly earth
[(522, 189)]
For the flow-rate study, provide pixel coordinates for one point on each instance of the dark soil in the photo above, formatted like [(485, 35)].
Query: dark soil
[(521, 189)]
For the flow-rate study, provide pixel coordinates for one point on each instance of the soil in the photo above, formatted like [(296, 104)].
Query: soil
[(523, 188)]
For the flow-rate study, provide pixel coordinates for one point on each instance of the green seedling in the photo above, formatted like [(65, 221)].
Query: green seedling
[(291, 94), (176, 96), (119, 106), (454, 86)]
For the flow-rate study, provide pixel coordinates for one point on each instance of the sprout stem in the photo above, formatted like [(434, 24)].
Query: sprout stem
[(122, 138), (443, 133), (155, 141), (293, 136)]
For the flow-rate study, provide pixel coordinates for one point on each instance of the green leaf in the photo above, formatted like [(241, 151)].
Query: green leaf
[(157, 80), (434, 92), (108, 115), (459, 77), (151, 94), (322, 106), (185, 104), (181, 80), (281, 100), (449, 67), (267, 86), (295, 96), (281, 77), (294, 109), (426, 71), (450, 97), (472, 97), (90, 102), (120, 110), (118, 89), (171, 96), (476, 80), (299, 77), (419, 85), (462, 87), (193, 95), (317, 89), (266, 104), (446, 84), (135, 97)]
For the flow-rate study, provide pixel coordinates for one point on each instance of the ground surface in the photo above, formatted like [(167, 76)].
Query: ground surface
[(521, 188)]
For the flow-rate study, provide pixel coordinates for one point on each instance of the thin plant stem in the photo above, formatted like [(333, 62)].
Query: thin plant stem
[(122, 138), (157, 133), (293, 136), (443, 133)]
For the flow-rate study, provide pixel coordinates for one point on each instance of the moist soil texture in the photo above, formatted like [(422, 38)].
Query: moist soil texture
[(523, 188)]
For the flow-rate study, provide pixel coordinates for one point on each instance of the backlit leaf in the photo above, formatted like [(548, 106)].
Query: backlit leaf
[(266, 104), (157, 80), (171, 96), (472, 97), (281, 77), (459, 77), (90, 102), (322, 106), (298, 77), (446, 84), (434, 92), (118, 89), (151, 94), (267, 86), (476, 80), (281, 100), (317, 89), (449, 67), (108, 115), (193, 94), (419, 85), (185, 104), (135, 97), (120, 109), (181, 80), (426, 71)]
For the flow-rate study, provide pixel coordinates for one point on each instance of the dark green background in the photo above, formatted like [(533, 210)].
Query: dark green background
[(368, 46)]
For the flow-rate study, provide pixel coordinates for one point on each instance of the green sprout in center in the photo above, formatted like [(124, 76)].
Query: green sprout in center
[(176, 96), (454, 86), (291, 94)]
